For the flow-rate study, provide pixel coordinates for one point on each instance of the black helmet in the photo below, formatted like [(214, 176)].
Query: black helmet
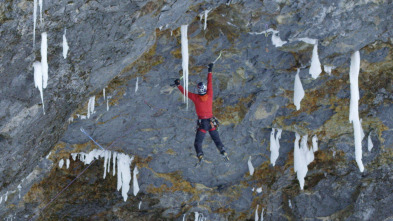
[(201, 88)]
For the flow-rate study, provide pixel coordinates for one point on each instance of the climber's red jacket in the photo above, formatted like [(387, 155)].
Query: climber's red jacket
[(203, 103)]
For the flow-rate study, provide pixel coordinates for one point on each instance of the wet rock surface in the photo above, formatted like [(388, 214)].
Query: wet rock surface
[(119, 45)]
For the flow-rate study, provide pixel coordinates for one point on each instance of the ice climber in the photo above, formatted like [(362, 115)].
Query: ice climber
[(203, 102)]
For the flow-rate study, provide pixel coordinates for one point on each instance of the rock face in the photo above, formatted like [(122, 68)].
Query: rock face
[(132, 51)]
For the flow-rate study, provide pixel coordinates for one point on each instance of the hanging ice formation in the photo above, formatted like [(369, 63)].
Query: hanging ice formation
[(135, 181), (205, 22), (123, 166), (299, 92), (103, 93), (262, 214), (90, 106), (41, 69), (315, 68), (303, 156), (139, 205), (185, 57), (250, 167), (136, 84), (369, 143), (199, 217), (65, 45), (256, 213), (61, 163), (67, 163), (328, 69), (354, 105), (259, 190), (274, 145)]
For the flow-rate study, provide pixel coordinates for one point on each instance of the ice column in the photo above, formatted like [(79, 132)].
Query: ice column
[(185, 57), (299, 92), (354, 105), (274, 145)]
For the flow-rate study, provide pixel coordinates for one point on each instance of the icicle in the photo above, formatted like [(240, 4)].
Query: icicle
[(74, 155), (61, 163), (38, 81), (354, 107), (315, 143), (171, 32), (184, 217), (299, 92), (44, 59), (289, 204), (109, 161), (65, 45), (114, 163), (205, 24), (328, 69), (47, 156), (6, 197), (274, 145), (185, 57), (103, 93), (34, 20), (136, 84), (90, 106), (123, 165), (263, 209), (140, 204), (315, 68), (105, 162), (250, 167), (107, 105), (196, 216), (135, 181), (369, 143), (256, 213), (1, 200), (299, 166), (68, 163), (19, 190)]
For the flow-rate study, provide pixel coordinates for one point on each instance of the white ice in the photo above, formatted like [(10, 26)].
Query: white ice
[(90, 106), (289, 204), (136, 84), (1, 200), (302, 157), (61, 163), (123, 166), (185, 57), (299, 92), (205, 24), (107, 105), (315, 143), (262, 214), (256, 213), (65, 45), (315, 68), (74, 155), (68, 163), (259, 190), (308, 40), (276, 40), (38, 80), (19, 190), (274, 145), (47, 156), (250, 167), (135, 181), (140, 204), (328, 69), (44, 59), (354, 107), (370, 144), (103, 93), (71, 119)]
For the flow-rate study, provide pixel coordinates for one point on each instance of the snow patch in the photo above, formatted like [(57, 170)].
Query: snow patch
[(250, 167), (354, 107), (185, 57), (299, 92), (274, 145)]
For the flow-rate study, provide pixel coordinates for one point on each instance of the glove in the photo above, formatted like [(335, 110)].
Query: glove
[(210, 67), (177, 82)]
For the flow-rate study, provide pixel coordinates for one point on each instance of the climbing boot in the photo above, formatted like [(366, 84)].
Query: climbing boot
[(225, 156), (200, 161)]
